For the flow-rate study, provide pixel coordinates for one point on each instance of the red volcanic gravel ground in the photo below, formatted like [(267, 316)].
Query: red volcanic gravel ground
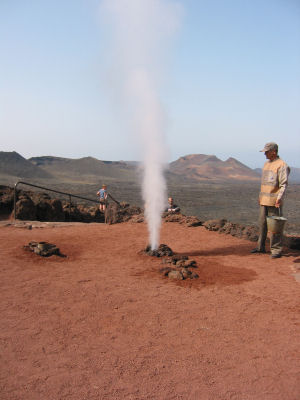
[(102, 323)]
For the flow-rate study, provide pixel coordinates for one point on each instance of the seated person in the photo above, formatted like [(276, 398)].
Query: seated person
[(172, 208)]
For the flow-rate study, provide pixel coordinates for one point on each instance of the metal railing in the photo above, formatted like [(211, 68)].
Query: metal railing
[(70, 195)]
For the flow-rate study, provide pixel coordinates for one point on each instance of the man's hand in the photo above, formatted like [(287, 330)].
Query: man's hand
[(278, 203)]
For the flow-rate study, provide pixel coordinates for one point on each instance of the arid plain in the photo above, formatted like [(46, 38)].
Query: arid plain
[(103, 323)]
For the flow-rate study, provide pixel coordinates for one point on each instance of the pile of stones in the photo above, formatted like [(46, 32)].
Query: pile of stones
[(233, 229), (179, 267), (43, 249), (182, 219), (162, 251)]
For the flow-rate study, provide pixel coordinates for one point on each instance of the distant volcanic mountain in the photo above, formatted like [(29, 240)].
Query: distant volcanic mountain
[(13, 164), (201, 167), (88, 170), (86, 167)]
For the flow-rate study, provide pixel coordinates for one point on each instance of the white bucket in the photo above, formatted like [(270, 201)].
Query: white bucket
[(276, 224)]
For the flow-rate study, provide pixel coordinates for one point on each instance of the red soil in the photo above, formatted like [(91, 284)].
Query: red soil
[(102, 323)]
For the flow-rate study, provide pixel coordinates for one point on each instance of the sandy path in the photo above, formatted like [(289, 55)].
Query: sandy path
[(103, 324)]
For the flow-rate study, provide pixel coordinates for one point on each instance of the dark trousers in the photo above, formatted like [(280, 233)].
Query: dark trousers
[(275, 238)]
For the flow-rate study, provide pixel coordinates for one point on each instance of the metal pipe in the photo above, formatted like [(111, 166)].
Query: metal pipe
[(15, 200), (50, 190), (109, 195), (70, 207), (56, 191)]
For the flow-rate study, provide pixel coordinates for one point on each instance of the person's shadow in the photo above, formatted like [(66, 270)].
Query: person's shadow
[(241, 250)]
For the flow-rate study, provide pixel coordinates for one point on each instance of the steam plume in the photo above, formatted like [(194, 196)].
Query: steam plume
[(140, 30)]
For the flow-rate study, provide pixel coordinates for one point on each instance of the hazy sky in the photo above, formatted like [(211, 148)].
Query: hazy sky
[(230, 80)]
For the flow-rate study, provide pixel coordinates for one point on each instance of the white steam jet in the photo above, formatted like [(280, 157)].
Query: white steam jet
[(140, 30)]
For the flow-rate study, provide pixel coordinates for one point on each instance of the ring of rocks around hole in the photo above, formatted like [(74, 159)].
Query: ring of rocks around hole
[(179, 268), (43, 249)]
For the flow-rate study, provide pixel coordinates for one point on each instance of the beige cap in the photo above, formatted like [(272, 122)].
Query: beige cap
[(270, 146)]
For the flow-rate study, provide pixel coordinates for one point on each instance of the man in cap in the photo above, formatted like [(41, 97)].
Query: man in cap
[(274, 182)]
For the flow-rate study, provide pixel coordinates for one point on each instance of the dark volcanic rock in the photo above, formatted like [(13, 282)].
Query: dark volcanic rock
[(193, 221), (250, 233), (25, 209), (39, 206), (122, 213), (167, 260), (185, 273), (178, 267), (49, 210), (182, 219), (241, 231), (185, 264), (178, 257), (177, 275), (214, 224), (171, 217), (163, 250), (6, 200), (136, 219), (227, 228), (293, 242), (165, 270), (80, 213), (43, 249), (233, 229)]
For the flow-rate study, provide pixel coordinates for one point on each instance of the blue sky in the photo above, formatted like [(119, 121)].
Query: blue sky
[(231, 81)]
